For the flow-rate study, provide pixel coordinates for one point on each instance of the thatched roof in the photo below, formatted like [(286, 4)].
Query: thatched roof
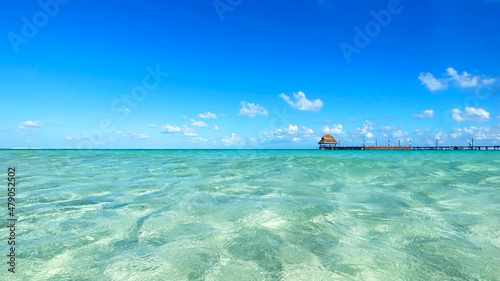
[(328, 139)]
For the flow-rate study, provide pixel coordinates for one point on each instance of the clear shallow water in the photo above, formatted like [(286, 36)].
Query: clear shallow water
[(255, 215)]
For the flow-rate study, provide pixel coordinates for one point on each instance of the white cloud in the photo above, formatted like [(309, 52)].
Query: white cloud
[(489, 81), (296, 139), (131, 135), (429, 113), (307, 131), (189, 132), (207, 115), (289, 133), (139, 136), (431, 83), (252, 110), (465, 80), (399, 134), (334, 130), (291, 130), (440, 136), (457, 133), (233, 140), (195, 123), (302, 103), (387, 128), (280, 133), (76, 138), (92, 141), (478, 133), (30, 124), (152, 125), (471, 114), (169, 129), (216, 127), (367, 129), (199, 139), (455, 113)]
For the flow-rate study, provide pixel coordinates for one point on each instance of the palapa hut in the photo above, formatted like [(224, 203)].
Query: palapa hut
[(327, 141)]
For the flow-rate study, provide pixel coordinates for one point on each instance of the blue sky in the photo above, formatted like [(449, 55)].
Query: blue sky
[(248, 74)]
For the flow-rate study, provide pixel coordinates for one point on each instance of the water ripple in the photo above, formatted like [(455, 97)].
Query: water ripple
[(257, 215)]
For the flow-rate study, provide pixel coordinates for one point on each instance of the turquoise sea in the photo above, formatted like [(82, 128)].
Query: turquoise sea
[(253, 215)]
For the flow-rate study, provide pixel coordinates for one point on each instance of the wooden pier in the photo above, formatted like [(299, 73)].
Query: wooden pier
[(476, 147), (486, 147), (328, 142)]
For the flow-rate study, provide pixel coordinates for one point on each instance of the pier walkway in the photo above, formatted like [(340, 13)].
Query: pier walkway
[(482, 147)]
